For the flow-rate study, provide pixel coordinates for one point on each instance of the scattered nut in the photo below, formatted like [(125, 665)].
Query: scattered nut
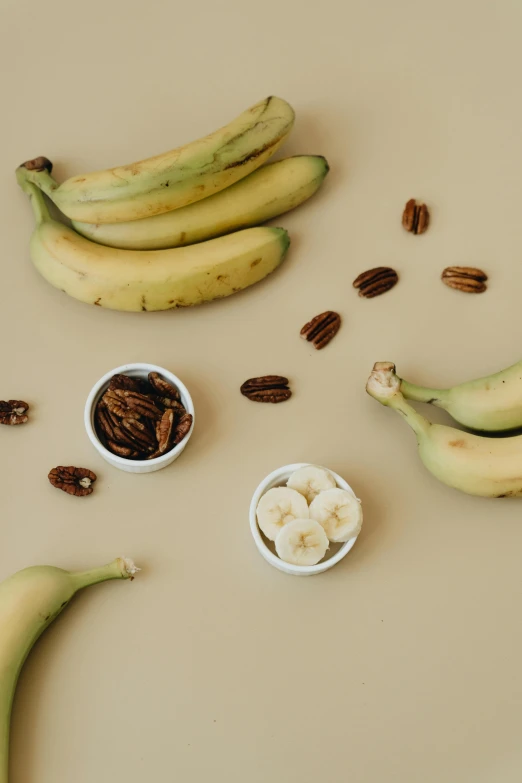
[(415, 217), (376, 281), (13, 412), (268, 388), (465, 278), (74, 481), (321, 329)]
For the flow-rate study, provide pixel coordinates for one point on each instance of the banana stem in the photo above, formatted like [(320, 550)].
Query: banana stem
[(422, 393), (38, 204), (419, 423), (121, 568), (42, 179), (385, 386)]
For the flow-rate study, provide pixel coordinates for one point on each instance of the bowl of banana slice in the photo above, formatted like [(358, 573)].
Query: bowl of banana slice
[(304, 518)]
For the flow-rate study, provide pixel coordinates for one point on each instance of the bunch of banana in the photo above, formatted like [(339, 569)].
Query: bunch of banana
[(209, 192), (490, 404), (478, 465)]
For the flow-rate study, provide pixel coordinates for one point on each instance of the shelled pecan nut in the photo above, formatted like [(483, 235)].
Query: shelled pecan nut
[(74, 481), (13, 412), (120, 381), (139, 433), (130, 404), (163, 387), (182, 429), (465, 278), (321, 329), (123, 451), (167, 402), (415, 217), (376, 281), (268, 388), (165, 430)]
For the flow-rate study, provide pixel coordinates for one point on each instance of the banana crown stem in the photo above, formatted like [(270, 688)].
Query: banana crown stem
[(422, 393), (384, 386), (38, 204), (121, 568)]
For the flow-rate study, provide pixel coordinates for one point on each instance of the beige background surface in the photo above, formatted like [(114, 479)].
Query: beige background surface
[(403, 662)]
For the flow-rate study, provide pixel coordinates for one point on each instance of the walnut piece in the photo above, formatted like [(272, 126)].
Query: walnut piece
[(13, 412), (74, 481)]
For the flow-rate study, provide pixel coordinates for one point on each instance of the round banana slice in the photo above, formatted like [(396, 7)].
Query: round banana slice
[(310, 481), (278, 507), (339, 512), (302, 542)]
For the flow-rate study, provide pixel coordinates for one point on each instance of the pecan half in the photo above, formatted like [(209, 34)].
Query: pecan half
[(182, 428), (13, 412), (74, 481), (162, 387), (167, 402), (131, 384), (165, 430), (123, 451), (376, 281), (321, 329), (268, 388), (130, 405), (415, 217), (465, 278), (139, 433)]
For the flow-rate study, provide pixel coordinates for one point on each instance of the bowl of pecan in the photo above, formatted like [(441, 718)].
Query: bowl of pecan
[(139, 417)]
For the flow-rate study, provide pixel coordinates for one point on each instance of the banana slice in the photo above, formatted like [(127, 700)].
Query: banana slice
[(301, 542), (339, 512), (278, 507), (310, 481)]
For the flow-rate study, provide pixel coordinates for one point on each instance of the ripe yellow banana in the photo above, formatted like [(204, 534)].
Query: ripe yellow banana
[(29, 601), (264, 194), (490, 404), (488, 467), (175, 178), (137, 280)]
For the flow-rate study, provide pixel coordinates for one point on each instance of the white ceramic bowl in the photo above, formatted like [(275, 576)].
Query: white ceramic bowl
[(336, 552), (138, 370)]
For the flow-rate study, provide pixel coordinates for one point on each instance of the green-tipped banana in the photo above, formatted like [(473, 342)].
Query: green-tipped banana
[(488, 467), (29, 601), (490, 404), (137, 280), (175, 178), (265, 194)]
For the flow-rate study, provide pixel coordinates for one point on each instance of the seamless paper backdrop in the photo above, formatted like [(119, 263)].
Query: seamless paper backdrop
[(403, 662)]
